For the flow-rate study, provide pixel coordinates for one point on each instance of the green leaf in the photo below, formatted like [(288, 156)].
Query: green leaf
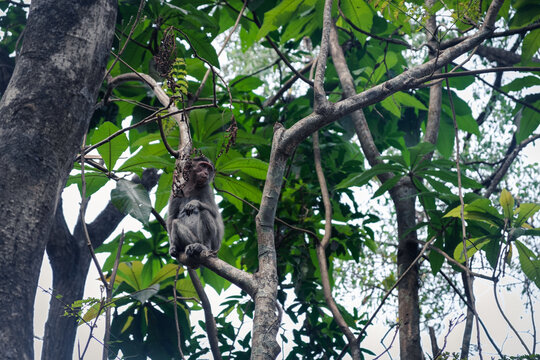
[(94, 181), (359, 13), (525, 211), (203, 46), (139, 162), (445, 144), (451, 177), (239, 188), (143, 295), (507, 202), (360, 179), (531, 44), (132, 199), (438, 186), (246, 83), (186, 288), (417, 152), (521, 83), (166, 272), (407, 99), (480, 210), (253, 167), (163, 191), (205, 122), (130, 273), (530, 264), (528, 123), (110, 151), (391, 105), (281, 15), (387, 185), (527, 11), (468, 123), (473, 245)]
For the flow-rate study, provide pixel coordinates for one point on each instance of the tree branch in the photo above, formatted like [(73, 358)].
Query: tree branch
[(321, 254), (497, 176), (211, 329), (407, 80), (321, 103)]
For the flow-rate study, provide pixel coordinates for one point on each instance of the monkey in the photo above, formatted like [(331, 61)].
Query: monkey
[(194, 222)]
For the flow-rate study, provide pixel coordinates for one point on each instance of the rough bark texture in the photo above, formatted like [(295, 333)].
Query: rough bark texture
[(404, 198), (266, 320), (44, 114), (70, 262)]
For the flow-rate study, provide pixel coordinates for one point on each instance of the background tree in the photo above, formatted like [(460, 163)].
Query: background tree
[(44, 114), (380, 110)]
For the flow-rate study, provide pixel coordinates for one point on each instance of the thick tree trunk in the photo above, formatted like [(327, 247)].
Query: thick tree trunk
[(44, 114), (70, 260), (404, 197)]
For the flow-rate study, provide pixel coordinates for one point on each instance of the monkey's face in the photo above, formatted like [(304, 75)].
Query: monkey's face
[(203, 172)]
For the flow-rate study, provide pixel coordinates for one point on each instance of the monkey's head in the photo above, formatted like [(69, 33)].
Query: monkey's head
[(202, 171)]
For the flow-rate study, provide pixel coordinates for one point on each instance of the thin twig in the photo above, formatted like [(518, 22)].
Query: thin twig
[(462, 210), (413, 264), (137, 18), (211, 328), (309, 232), (171, 151), (84, 201), (457, 263), (321, 254), (533, 322), (508, 320), (454, 287), (321, 103), (227, 39), (107, 337), (178, 333), (387, 348)]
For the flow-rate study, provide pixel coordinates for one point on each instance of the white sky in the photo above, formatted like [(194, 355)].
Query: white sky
[(506, 340)]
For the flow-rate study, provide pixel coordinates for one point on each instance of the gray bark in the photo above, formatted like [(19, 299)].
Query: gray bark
[(44, 114), (70, 262)]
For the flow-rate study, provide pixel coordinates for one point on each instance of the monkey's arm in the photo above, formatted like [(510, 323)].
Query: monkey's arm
[(197, 204)]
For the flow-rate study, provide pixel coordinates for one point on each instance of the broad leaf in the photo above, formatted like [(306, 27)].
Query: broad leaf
[(139, 162), (130, 272), (524, 212), (387, 185), (143, 295), (239, 188), (407, 99), (282, 14), (166, 272), (507, 202), (203, 47), (94, 181), (530, 264), (253, 167), (528, 123), (111, 150), (360, 179), (132, 199), (531, 44), (473, 245)]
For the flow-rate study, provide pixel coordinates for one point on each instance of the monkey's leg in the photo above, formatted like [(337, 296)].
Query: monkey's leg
[(181, 236), (195, 249)]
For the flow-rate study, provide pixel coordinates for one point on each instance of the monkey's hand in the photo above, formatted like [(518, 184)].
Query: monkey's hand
[(173, 251), (195, 249), (192, 207)]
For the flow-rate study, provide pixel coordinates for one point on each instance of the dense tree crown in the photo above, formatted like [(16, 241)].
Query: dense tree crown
[(306, 108)]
